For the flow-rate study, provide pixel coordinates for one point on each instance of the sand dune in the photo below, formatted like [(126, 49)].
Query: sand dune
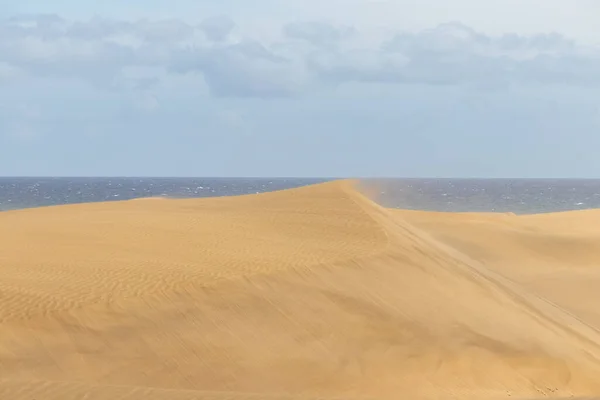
[(309, 293)]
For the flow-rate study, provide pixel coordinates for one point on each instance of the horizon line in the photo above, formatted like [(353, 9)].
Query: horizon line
[(284, 177)]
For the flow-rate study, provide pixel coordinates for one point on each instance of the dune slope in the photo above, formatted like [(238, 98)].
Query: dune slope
[(307, 293)]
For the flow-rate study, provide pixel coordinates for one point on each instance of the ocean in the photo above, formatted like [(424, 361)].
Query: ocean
[(520, 196)]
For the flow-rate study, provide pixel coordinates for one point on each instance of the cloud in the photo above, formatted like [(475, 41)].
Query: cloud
[(454, 54), (245, 69), (217, 28), (307, 54), (317, 32)]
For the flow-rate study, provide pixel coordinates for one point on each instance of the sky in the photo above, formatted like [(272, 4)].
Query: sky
[(300, 88)]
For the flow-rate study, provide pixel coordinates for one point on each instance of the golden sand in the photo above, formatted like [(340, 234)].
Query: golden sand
[(309, 293)]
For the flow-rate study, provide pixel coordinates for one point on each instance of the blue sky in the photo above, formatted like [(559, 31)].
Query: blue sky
[(453, 88)]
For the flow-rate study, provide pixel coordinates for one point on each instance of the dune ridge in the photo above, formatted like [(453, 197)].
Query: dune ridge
[(309, 293)]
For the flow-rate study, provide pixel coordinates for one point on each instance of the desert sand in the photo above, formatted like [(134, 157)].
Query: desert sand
[(309, 293)]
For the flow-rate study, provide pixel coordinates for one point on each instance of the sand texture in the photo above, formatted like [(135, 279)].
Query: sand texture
[(309, 293)]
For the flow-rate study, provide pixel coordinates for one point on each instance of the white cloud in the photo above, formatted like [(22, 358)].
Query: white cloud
[(217, 28), (245, 69), (454, 54), (318, 33), (136, 55), (573, 18)]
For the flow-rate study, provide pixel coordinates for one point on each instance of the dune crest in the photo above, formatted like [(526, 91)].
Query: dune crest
[(307, 293)]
